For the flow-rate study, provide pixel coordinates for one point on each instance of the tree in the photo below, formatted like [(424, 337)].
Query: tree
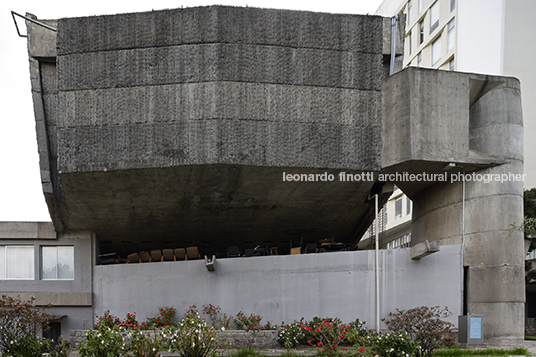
[(20, 321), (529, 228)]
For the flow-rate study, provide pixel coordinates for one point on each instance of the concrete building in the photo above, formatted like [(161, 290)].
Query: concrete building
[(220, 126), (473, 36), (477, 36)]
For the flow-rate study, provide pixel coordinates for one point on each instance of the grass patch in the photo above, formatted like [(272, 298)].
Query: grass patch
[(247, 352), (292, 354), (459, 352)]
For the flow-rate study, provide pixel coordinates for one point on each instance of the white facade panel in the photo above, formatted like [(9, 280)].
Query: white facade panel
[(480, 36)]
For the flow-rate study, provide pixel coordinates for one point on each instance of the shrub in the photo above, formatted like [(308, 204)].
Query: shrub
[(28, 346), (145, 343), (107, 319), (217, 318), (394, 345), (291, 335), (61, 349), (327, 335), (248, 323), (103, 341), (20, 320), (130, 321), (165, 317), (358, 335), (193, 337), (425, 325)]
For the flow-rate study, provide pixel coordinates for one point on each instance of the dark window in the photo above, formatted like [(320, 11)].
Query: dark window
[(53, 333), (421, 30)]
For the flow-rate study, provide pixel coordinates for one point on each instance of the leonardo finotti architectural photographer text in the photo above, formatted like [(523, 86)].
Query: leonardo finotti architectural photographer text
[(404, 176)]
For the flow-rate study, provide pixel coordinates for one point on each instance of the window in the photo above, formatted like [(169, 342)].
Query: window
[(409, 12), (421, 30), (436, 51), (451, 65), (408, 206), (410, 44), (16, 262), (450, 35), (434, 16), (398, 207), (400, 242), (57, 263), (419, 6), (452, 5), (419, 59)]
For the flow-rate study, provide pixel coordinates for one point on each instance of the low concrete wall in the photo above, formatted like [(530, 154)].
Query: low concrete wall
[(230, 338), (285, 288)]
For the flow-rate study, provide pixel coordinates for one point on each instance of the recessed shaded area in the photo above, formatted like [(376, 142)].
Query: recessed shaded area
[(212, 207)]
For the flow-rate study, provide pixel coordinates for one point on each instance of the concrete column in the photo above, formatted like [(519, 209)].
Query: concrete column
[(493, 254)]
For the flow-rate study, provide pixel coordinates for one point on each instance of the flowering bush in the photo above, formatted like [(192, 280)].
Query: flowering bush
[(145, 343), (103, 341), (28, 346), (291, 335), (394, 345), (327, 334), (217, 318), (165, 317), (193, 337), (61, 349), (107, 319), (130, 321), (20, 320), (358, 335), (425, 325), (251, 323)]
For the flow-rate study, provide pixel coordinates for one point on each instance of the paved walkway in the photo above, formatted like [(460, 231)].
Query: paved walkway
[(529, 345)]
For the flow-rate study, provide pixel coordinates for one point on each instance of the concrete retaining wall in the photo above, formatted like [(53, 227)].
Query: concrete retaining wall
[(231, 338)]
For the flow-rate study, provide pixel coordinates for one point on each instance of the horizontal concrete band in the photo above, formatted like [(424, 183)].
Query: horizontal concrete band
[(28, 230), (218, 141), (220, 62), (208, 100), (221, 24), (56, 299)]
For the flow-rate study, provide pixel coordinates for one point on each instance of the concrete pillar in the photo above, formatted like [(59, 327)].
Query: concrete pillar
[(493, 254)]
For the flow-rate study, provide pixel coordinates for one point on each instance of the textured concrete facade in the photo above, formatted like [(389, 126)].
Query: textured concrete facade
[(174, 128), (251, 92)]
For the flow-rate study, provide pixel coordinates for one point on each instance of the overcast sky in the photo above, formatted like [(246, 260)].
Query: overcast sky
[(21, 197)]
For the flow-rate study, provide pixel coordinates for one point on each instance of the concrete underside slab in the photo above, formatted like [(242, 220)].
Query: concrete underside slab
[(212, 207)]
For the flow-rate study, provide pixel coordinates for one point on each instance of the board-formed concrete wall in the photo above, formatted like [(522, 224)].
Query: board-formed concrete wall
[(221, 85), (284, 288), (144, 116)]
